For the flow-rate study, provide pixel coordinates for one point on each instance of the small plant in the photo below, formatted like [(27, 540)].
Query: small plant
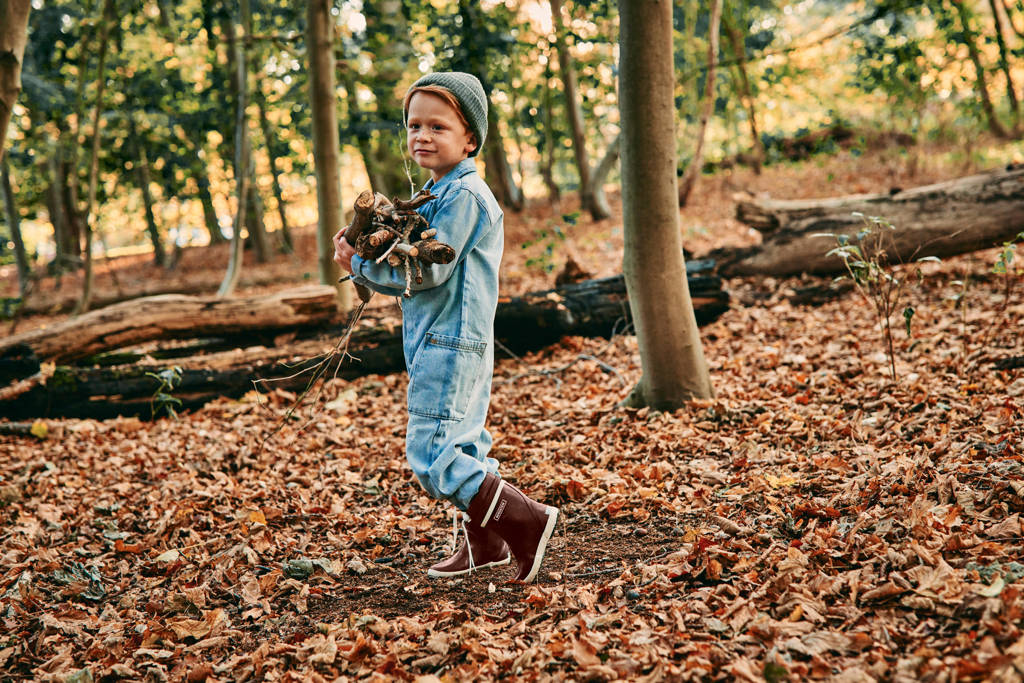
[(877, 279), (550, 237), (1004, 267), (162, 400)]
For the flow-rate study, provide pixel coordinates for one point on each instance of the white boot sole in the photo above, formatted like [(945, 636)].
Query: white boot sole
[(549, 528), (436, 574)]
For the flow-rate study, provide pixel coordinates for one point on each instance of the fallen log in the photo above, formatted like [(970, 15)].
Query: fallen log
[(175, 316), (590, 308), (944, 219)]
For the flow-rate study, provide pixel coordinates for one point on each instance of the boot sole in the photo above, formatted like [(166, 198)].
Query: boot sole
[(436, 574), (549, 528)]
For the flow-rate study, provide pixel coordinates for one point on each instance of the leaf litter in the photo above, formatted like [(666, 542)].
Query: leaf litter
[(815, 520)]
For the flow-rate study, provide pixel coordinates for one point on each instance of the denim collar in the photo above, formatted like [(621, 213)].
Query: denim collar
[(464, 167)]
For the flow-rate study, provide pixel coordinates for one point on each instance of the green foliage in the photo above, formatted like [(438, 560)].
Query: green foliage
[(551, 237), (876, 277), (162, 401)]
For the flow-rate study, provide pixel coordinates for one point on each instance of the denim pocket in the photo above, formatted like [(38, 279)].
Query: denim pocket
[(444, 372)]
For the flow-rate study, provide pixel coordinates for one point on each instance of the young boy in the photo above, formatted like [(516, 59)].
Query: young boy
[(448, 334)]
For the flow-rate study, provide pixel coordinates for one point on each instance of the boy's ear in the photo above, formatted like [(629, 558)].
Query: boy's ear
[(471, 145)]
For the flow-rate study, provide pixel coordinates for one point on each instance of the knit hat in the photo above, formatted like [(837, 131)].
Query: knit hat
[(470, 95)]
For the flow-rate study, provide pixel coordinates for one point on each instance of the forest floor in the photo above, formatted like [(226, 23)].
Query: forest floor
[(815, 520)]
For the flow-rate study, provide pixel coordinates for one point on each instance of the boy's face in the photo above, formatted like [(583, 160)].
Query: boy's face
[(438, 141)]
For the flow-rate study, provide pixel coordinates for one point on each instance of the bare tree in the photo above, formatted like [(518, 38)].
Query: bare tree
[(671, 356), (13, 37), (326, 144), (707, 106), (107, 17), (591, 182), (243, 159), (14, 225)]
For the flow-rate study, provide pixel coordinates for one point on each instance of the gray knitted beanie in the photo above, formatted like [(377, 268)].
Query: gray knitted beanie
[(470, 95)]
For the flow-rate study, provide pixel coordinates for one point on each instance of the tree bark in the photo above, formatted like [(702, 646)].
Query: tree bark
[(143, 181), (671, 355), (106, 19), (952, 217), (254, 223), (981, 82), (242, 160), (326, 145), (548, 162), (592, 308), (209, 210), (998, 15), (174, 316), (269, 142), (499, 171), (693, 171), (13, 38), (14, 225)]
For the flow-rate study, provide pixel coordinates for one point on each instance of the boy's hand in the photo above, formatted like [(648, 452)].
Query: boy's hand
[(343, 251)]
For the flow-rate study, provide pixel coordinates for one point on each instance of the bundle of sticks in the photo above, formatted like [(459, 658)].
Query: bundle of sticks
[(384, 229)]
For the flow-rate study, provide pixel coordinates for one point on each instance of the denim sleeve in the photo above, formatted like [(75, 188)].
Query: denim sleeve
[(457, 221)]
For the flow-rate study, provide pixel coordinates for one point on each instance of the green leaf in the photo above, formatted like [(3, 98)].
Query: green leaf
[(908, 315)]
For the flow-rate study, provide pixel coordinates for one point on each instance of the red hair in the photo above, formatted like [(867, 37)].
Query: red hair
[(446, 95)]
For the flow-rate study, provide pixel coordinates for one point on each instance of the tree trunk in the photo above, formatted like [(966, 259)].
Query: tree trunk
[(998, 15), (952, 217), (499, 172), (604, 167), (14, 224), (374, 175), (591, 308), (548, 162), (13, 38), (174, 316), (981, 82), (671, 356), (254, 222), (55, 205), (106, 19), (574, 112), (736, 41), (326, 145), (269, 142), (693, 171), (143, 181), (209, 210), (242, 157)]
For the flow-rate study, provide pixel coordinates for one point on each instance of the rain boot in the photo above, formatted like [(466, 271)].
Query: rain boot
[(480, 549)]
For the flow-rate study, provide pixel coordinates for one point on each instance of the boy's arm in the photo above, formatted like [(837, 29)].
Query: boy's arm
[(456, 222)]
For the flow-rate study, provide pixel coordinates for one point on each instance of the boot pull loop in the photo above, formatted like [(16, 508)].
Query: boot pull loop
[(494, 501)]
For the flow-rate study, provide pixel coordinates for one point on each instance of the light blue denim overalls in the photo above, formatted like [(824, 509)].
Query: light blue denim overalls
[(448, 336)]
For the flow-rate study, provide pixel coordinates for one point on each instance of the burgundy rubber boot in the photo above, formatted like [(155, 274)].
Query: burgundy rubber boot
[(480, 549), (525, 524)]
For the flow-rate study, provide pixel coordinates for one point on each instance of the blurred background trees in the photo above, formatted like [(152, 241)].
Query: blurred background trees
[(154, 88)]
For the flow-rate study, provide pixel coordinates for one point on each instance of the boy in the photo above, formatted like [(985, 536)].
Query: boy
[(448, 334)]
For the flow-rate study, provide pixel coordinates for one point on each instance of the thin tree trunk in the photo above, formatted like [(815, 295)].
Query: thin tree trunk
[(499, 171), (671, 356), (209, 210), (574, 111), (14, 224), (142, 178), (548, 162), (94, 160), (242, 161), (355, 116), (13, 38), (55, 205), (254, 222), (707, 107), (746, 93), (326, 145), (1004, 63), (268, 141), (604, 167), (981, 84)]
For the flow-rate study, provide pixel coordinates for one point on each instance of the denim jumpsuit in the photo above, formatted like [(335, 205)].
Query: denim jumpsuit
[(448, 336)]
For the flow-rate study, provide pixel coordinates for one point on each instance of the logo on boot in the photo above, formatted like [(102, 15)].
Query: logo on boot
[(501, 509)]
